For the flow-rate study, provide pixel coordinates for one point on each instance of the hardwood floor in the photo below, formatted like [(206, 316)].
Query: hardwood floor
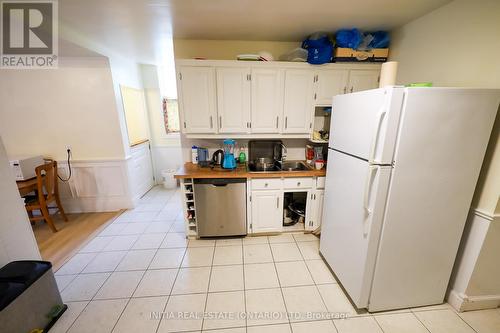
[(72, 235)]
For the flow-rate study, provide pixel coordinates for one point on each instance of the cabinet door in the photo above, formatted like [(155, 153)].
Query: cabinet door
[(267, 100), (298, 101), (315, 210), (330, 82), (363, 79), (197, 97), (319, 197), (233, 100), (267, 211)]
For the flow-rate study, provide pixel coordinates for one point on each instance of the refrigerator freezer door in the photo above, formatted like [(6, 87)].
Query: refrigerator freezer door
[(365, 124), (443, 138), (355, 194)]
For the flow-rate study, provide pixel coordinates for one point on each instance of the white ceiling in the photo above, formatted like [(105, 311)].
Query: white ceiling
[(139, 28)]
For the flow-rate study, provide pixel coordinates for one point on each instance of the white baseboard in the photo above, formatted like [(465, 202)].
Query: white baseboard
[(472, 245), (97, 204), (463, 302)]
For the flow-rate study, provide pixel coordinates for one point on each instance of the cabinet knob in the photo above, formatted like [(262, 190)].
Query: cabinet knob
[(266, 184), (298, 183)]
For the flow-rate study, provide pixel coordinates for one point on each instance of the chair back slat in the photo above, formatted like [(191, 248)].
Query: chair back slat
[(46, 175)]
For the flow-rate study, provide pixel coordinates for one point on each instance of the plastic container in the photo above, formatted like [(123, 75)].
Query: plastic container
[(169, 182), (194, 155), (298, 55)]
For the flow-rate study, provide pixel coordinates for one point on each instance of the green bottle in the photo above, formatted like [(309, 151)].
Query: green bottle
[(242, 157)]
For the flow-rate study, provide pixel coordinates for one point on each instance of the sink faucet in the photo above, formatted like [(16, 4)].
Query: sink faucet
[(283, 151)]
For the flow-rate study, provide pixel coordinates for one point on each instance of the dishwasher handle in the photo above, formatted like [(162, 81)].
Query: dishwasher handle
[(219, 181)]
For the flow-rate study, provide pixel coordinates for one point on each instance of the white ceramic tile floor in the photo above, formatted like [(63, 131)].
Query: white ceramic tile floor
[(156, 282), (141, 274)]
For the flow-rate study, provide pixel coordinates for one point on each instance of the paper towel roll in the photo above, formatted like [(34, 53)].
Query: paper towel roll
[(388, 74)]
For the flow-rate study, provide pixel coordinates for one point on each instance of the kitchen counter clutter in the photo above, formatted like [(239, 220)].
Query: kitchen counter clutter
[(276, 201), (193, 171)]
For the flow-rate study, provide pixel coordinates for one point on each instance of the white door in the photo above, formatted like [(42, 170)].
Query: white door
[(267, 100), (366, 123), (233, 99), (298, 101), (267, 211), (360, 79), (141, 170), (355, 195), (330, 82), (197, 97)]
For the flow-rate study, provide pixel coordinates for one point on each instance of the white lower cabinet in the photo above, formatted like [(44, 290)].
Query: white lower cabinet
[(267, 196), (267, 211)]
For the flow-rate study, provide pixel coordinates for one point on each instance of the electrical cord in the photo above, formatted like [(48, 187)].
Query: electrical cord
[(68, 151)]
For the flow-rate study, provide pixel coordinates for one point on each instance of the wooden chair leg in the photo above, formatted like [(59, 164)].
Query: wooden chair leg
[(48, 219), (61, 210), (30, 215)]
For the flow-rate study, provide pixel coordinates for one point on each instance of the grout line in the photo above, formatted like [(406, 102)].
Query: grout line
[(244, 286), (462, 319), (281, 289), (170, 293), (418, 319), (208, 288), (128, 301)]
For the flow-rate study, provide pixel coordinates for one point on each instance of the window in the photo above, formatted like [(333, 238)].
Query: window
[(171, 115)]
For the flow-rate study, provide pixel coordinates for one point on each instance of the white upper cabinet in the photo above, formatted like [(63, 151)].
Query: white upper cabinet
[(330, 82), (233, 99), (197, 99), (363, 80), (245, 99), (267, 100), (298, 101)]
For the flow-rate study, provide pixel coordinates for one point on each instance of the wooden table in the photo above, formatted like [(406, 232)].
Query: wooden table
[(26, 186)]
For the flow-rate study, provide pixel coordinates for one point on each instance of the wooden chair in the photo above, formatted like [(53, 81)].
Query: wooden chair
[(47, 192)]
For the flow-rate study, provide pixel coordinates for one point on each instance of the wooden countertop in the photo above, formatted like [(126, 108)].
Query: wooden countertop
[(190, 170)]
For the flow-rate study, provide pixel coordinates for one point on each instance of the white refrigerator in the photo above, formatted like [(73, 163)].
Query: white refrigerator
[(402, 167)]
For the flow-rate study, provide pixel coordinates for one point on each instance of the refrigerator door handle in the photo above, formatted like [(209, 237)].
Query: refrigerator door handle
[(372, 170), (380, 117)]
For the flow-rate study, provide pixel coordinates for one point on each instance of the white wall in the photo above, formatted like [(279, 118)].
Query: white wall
[(228, 49), (42, 111), (456, 45), (17, 241), (295, 147), (166, 148)]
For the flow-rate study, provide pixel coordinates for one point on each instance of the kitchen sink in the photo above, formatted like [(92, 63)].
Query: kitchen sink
[(294, 166), (273, 168), (288, 166)]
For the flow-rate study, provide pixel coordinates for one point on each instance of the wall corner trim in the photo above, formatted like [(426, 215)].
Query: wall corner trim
[(462, 302), (485, 215)]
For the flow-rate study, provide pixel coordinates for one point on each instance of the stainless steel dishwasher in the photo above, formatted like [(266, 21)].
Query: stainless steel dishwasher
[(221, 206)]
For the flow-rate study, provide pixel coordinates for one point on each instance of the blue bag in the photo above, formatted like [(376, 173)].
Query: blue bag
[(380, 40), (350, 38), (319, 50)]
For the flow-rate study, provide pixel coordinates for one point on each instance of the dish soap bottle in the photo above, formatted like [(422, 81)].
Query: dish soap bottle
[(242, 158)]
